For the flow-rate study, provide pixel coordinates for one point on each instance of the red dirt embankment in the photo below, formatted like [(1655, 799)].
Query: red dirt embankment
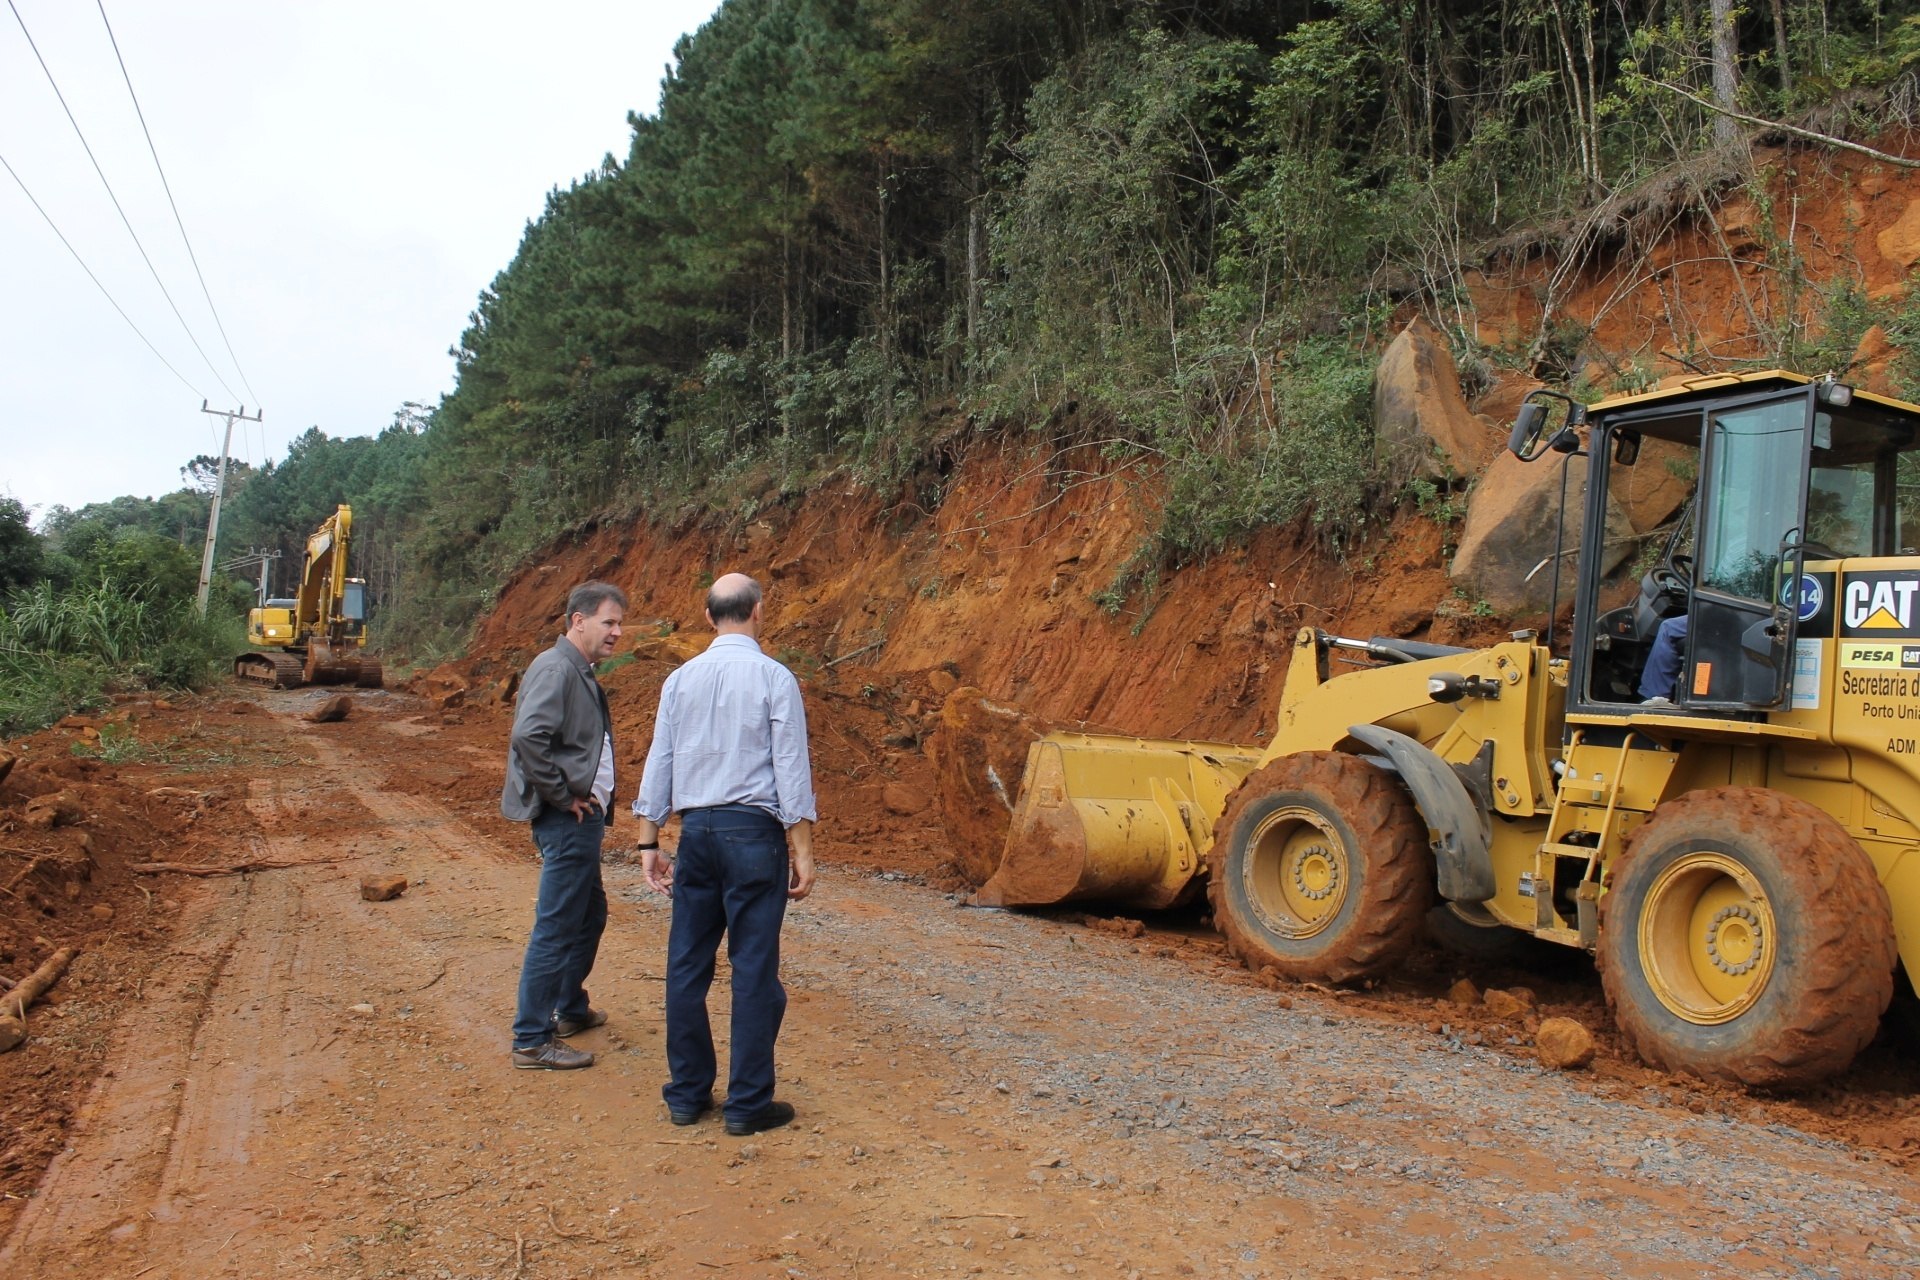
[(882, 612)]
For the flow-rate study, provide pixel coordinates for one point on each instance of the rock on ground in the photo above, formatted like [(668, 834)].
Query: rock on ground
[(1563, 1044), (382, 888)]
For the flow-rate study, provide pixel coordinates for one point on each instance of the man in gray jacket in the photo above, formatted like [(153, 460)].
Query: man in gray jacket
[(560, 780)]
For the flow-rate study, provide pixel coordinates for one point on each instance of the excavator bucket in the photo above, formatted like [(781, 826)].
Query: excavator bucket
[(1125, 821)]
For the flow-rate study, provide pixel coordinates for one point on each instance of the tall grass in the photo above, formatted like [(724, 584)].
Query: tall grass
[(66, 650)]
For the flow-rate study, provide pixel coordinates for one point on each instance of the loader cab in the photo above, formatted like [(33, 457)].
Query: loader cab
[(1737, 499)]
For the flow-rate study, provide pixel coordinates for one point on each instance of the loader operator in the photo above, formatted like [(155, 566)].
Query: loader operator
[(560, 780)]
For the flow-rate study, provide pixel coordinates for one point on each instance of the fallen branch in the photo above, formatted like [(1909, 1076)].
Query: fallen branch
[(856, 653), (13, 1025), (1793, 129), (232, 868)]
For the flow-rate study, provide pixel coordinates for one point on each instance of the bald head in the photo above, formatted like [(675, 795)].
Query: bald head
[(733, 602)]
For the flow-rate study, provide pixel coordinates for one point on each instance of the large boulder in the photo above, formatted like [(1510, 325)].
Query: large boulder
[(1656, 486), (1509, 530), (1899, 243), (1421, 423)]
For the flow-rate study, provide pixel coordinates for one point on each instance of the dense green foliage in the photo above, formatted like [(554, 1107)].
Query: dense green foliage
[(857, 229), (854, 221), (105, 608)]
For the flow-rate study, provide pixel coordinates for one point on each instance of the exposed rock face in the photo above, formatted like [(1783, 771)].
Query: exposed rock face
[(1421, 423), (1899, 244), (1509, 530)]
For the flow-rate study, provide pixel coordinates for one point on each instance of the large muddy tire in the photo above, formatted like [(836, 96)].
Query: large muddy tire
[(1744, 937), (1320, 868)]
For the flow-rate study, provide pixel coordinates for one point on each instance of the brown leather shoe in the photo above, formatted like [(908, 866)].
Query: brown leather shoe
[(551, 1056), (574, 1026)]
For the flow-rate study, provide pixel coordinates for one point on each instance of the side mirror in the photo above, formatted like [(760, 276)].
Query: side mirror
[(1524, 442), (1546, 420), (1626, 447)]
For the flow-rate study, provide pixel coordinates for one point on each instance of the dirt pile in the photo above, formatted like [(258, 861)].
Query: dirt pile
[(82, 805)]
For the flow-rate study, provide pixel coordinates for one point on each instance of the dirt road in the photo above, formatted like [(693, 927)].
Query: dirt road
[(310, 1084)]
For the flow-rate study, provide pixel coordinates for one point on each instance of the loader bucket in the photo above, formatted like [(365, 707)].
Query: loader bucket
[(1125, 821)]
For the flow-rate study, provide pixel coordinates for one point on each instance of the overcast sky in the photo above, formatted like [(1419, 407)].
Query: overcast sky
[(351, 175)]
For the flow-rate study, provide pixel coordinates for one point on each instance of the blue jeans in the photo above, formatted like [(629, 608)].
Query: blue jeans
[(730, 877), (568, 919), (1661, 678)]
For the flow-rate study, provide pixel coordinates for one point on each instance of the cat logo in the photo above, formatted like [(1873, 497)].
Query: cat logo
[(1880, 602)]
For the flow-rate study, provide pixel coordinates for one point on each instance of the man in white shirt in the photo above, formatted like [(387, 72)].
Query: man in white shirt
[(560, 781), (730, 757)]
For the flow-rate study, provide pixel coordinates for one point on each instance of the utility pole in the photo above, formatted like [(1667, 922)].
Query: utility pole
[(219, 491), (250, 559)]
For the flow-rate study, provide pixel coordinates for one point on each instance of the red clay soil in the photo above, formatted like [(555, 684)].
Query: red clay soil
[(70, 884)]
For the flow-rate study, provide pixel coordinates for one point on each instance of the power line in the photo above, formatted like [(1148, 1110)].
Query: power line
[(168, 187), (96, 283), (125, 221)]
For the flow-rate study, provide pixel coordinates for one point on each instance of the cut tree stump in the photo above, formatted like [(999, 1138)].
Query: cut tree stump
[(13, 1008)]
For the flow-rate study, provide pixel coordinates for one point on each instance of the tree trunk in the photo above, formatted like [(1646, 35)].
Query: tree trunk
[(1780, 47), (976, 198), (13, 1010), (1726, 72)]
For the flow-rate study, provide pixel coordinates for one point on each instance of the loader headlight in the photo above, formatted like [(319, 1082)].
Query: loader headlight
[(1837, 394)]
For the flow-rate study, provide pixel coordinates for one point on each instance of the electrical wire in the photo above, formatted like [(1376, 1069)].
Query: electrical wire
[(96, 282), (125, 221), (168, 187)]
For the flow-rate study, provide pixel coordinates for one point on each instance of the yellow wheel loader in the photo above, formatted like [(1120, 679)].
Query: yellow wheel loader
[(320, 635), (1737, 844)]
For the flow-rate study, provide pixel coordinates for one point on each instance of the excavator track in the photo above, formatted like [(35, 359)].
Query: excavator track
[(270, 670)]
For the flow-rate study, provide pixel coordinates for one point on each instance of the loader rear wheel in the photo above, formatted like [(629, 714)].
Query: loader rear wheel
[(1320, 868), (1744, 937)]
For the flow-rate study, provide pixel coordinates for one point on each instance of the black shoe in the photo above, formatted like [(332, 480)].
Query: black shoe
[(694, 1116), (771, 1116)]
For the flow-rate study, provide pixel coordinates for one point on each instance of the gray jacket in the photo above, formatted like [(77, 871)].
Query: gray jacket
[(559, 725)]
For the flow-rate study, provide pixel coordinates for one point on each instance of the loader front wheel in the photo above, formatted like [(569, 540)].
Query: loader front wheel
[(1744, 937), (1320, 868)]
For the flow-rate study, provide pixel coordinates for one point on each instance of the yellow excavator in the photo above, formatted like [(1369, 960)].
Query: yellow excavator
[(1731, 826), (320, 635)]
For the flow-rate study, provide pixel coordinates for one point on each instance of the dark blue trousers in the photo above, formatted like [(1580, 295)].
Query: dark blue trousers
[(1661, 678), (568, 919), (730, 877)]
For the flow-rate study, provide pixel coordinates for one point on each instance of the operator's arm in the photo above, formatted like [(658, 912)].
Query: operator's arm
[(536, 724)]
